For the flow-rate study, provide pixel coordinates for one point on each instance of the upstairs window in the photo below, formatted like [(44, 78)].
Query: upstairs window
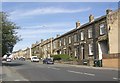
[(82, 35), (64, 42), (75, 38), (48, 45), (102, 29), (69, 40), (90, 33), (60, 43), (54, 44)]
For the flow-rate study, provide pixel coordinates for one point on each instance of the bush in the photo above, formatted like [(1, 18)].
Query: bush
[(56, 57), (61, 57)]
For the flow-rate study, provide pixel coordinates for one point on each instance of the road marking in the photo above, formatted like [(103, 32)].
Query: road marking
[(21, 80), (115, 78), (89, 74), (55, 68), (48, 67), (81, 73), (75, 72), (16, 80)]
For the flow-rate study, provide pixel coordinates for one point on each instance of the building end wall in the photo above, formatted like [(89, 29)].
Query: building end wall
[(112, 20)]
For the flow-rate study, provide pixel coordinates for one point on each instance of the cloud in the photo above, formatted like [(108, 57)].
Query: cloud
[(42, 11), (53, 28)]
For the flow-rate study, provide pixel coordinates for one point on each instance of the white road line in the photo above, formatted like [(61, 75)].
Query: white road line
[(81, 73), (75, 72), (48, 67), (55, 68), (17, 80), (21, 80), (89, 74), (115, 78)]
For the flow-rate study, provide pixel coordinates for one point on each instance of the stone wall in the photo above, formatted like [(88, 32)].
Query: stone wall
[(111, 60), (112, 63)]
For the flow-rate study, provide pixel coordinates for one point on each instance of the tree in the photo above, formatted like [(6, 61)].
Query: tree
[(9, 34)]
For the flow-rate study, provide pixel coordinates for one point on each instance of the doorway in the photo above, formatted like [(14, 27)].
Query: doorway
[(102, 48), (82, 51)]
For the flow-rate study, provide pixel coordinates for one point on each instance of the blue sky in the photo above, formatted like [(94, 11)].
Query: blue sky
[(43, 20)]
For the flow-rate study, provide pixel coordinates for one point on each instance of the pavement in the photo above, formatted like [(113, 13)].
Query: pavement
[(10, 74), (90, 67), (105, 68), (0, 70), (0, 74)]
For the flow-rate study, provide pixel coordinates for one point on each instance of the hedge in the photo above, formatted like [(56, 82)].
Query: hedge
[(61, 57)]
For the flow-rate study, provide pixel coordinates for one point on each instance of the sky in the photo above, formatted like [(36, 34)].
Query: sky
[(43, 20)]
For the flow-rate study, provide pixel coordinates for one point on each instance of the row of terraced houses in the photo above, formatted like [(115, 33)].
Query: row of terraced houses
[(97, 39)]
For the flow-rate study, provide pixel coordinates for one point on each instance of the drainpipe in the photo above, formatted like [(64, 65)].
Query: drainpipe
[(94, 41)]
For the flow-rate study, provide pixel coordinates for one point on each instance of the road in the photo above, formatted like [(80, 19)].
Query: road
[(32, 71)]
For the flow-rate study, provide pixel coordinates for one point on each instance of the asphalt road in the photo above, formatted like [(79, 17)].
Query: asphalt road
[(33, 71)]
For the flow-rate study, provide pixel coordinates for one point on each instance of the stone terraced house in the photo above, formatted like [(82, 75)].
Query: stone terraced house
[(97, 39)]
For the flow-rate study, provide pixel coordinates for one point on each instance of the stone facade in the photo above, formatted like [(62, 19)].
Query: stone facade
[(113, 29), (22, 53), (86, 42)]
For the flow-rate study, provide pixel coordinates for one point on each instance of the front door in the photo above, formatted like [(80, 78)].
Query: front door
[(82, 51)]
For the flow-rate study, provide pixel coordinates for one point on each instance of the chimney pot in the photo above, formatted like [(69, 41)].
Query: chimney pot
[(77, 24), (57, 35), (91, 18), (41, 40), (108, 11)]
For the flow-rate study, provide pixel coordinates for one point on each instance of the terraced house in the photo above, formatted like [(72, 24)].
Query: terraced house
[(22, 53), (95, 40)]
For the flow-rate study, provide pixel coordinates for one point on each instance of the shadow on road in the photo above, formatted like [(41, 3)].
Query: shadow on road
[(11, 64)]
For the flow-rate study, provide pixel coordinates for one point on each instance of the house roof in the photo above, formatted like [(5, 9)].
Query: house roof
[(82, 26)]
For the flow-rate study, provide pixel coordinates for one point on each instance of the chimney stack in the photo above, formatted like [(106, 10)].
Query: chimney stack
[(91, 18), (108, 11), (77, 24), (57, 35), (41, 40)]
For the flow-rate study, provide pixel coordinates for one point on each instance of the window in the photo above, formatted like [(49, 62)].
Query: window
[(60, 52), (69, 40), (90, 33), (75, 38), (60, 43), (48, 45), (64, 41), (90, 49), (75, 52), (82, 35), (64, 51), (102, 29), (54, 44)]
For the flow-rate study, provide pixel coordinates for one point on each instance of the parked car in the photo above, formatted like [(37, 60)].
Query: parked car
[(48, 61), (22, 58), (8, 59), (35, 59)]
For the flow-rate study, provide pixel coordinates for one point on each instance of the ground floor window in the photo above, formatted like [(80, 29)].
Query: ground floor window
[(76, 52), (90, 49)]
